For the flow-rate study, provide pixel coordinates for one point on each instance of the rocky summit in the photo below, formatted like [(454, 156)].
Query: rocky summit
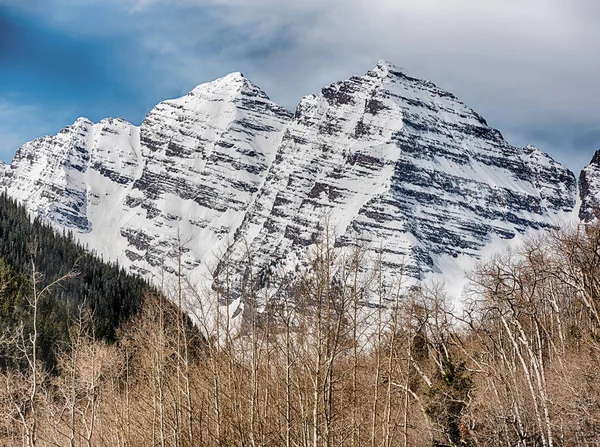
[(386, 162)]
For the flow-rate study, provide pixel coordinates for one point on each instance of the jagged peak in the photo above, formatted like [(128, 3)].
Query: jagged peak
[(81, 121), (111, 121), (384, 68), (236, 75), (234, 82), (596, 158), (80, 124)]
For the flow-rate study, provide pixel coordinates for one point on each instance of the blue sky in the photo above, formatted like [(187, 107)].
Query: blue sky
[(529, 66)]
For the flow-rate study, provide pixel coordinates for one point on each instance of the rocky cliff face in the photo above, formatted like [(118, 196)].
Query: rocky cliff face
[(403, 168), (589, 190), (184, 177), (385, 161)]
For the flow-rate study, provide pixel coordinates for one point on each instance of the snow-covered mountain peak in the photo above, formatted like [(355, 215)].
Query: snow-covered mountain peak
[(393, 163), (405, 170), (229, 86), (205, 156)]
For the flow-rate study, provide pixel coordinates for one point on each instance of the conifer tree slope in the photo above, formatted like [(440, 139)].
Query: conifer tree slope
[(85, 282)]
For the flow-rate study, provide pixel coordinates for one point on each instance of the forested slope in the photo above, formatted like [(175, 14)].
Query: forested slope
[(82, 282)]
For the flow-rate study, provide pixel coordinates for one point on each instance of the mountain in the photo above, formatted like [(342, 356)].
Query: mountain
[(189, 171), (589, 190), (384, 161), (403, 167)]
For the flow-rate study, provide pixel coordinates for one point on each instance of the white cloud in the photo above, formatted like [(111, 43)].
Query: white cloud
[(527, 65)]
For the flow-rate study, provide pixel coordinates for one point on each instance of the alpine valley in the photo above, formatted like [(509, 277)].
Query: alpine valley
[(383, 161)]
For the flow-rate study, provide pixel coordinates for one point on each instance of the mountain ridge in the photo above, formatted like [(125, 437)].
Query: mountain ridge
[(386, 156)]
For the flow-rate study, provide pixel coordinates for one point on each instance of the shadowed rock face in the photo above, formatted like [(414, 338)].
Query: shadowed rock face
[(385, 161), (589, 190)]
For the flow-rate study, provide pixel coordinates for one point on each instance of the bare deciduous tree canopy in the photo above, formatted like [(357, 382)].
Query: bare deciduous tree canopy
[(340, 361)]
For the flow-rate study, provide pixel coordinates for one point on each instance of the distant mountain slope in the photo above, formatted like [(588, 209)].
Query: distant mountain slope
[(391, 162)]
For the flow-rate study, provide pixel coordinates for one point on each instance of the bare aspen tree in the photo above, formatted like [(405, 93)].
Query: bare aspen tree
[(24, 400), (393, 330), (69, 361), (319, 294), (377, 349), (183, 355)]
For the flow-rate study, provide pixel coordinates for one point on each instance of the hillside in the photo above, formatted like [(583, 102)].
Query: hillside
[(106, 290)]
